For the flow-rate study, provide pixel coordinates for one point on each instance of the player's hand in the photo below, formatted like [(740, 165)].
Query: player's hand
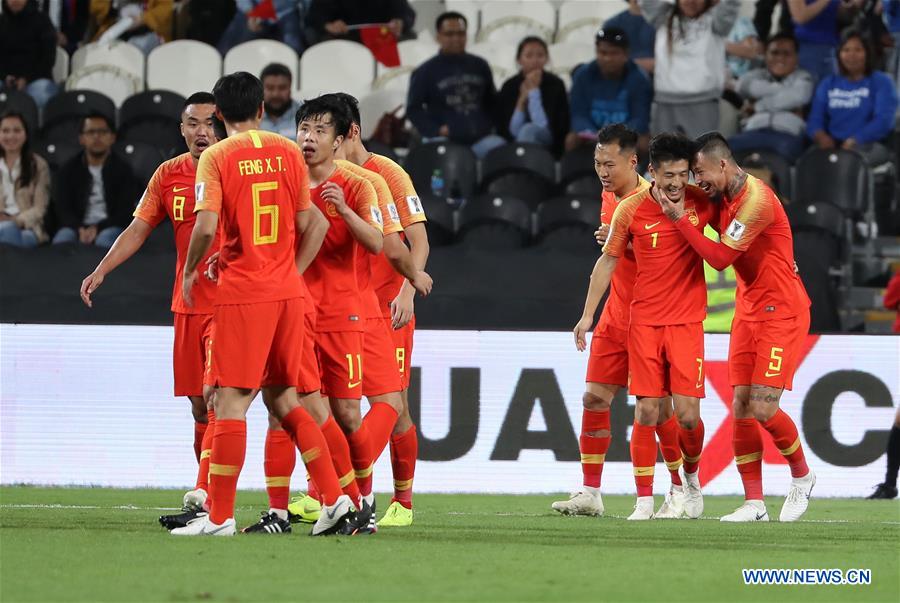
[(674, 211), (601, 234), (580, 330), (402, 310), (422, 283), (187, 283), (87, 235), (212, 267), (796, 268), (88, 286), (334, 194)]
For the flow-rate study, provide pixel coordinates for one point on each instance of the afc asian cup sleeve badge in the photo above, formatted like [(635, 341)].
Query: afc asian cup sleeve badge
[(692, 216)]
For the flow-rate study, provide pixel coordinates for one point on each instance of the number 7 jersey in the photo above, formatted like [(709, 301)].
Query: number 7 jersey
[(256, 182)]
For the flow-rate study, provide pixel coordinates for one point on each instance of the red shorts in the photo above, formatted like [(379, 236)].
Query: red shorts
[(403, 346), (666, 359), (340, 355), (258, 345), (309, 379), (608, 360), (766, 352), (192, 336), (382, 375)]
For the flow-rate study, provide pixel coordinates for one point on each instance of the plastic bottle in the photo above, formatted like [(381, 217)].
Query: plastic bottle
[(437, 183)]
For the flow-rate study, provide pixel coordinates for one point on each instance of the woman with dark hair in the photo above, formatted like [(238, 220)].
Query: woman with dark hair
[(532, 105), (24, 185), (854, 108)]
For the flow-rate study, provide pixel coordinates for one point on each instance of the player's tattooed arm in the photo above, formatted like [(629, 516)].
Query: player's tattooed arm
[(600, 278)]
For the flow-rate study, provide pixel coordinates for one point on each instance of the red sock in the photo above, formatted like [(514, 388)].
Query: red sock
[(280, 459), (314, 452), (643, 457), (404, 450), (380, 421), (593, 449), (206, 450), (784, 433), (199, 432), (361, 458), (340, 458), (311, 489), (667, 432), (748, 451), (226, 461), (691, 441)]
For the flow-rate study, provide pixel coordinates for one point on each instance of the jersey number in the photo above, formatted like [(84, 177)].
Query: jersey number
[(259, 210), (178, 208), (653, 238)]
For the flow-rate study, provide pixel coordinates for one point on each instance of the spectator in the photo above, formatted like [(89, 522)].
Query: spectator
[(245, 26), (206, 20), (640, 34), (533, 105), (892, 21), (452, 95), (816, 26), (74, 17), (278, 106), (329, 19), (144, 24), (776, 97), (611, 89), (24, 185), (95, 191), (27, 50), (742, 47), (690, 62), (762, 18), (854, 109)]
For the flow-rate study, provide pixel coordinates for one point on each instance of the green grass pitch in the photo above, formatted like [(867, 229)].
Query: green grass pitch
[(95, 544)]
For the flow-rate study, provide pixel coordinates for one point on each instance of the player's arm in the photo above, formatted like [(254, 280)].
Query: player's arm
[(365, 234), (599, 283), (201, 240), (402, 261), (125, 246), (402, 307), (717, 254), (312, 226)]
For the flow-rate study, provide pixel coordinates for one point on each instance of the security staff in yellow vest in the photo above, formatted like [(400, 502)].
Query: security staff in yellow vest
[(721, 288)]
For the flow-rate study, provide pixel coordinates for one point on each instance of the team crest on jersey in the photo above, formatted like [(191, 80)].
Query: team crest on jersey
[(735, 230), (692, 216), (330, 209), (392, 211), (376, 216), (415, 206)]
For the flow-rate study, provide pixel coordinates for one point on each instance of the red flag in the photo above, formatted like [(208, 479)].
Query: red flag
[(382, 43), (265, 10)]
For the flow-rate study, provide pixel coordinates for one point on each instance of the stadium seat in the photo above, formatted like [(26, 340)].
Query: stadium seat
[(495, 223), (579, 20), (21, 102), (839, 177), (56, 153), (568, 224), (395, 78), (375, 104), (63, 113), (512, 20), (583, 186), (525, 171), (470, 10), (566, 56), (167, 68), (455, 164), (412, 54), (153, 118), (254, 55), (374, 146), (338, 64), (61, 65), (780, 168), (123, 55), (114, 82), (500, 54), (416, 52), (143, 158), (576, 165), (441, 220)]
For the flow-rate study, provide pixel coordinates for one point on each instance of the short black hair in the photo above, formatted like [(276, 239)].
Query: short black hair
[(783, 36), (713, 143), (850, 34), (670, 146), (327, 104), (97, 115), (277, 69), (452, 14), (620, 134), (352, 105), (531, 40), (238, 96), (198, 98)]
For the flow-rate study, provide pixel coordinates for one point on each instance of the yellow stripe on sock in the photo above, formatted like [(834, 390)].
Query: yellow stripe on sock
[(346, 479), (748, 458), (674, 465), (205, 454), (216, 469), (310, 455), (640, 471), (278, 482), (593, 459), (254, 136), (363, 473), (691, 459), (792, 448), (402, 484)]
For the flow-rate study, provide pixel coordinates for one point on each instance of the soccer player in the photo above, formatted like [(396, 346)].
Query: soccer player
[(170, 193), (771, 319), (615, 160), (665, 336), (257, 184)]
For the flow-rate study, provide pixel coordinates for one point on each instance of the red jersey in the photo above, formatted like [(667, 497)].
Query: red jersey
[(892, 299), (669, 286), (332, 277), (390, 223), (617, 310), (754, 223), (256, 182), (170, 193), (388, 281)]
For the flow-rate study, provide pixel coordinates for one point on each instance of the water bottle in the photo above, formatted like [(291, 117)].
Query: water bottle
[(437, 183)]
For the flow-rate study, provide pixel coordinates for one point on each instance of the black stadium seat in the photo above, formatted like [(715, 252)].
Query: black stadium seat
[(495, 223), (152, 118), (456, 164), (20, 102), (524, 171), (779, 166), (143, 159), (575, 165), (56, 153), (382, 149), (63, 113), (441, 224), (835, 176), (568, 224)]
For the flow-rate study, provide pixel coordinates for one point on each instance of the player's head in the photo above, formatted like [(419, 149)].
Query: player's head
[(197, 122), (670, 163), (97, 134), (615, 157), (451, 28), (239, 97), (354, 132), (712, 163), (276, 80), (322, 123)]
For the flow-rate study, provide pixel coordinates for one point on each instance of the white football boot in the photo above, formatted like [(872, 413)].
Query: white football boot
[(798, 497), (202, 526), (643, 509), (580, 503), (333, 517), (673, 506), (693, 496), (751, 510)]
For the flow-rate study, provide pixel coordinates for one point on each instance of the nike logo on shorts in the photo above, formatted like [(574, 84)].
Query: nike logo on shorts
[(775, 374), (351, 385)]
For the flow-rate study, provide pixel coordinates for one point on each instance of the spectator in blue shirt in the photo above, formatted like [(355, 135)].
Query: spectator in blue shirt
[(816, 27), (640, 35), (855, 108), (611, 89)]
